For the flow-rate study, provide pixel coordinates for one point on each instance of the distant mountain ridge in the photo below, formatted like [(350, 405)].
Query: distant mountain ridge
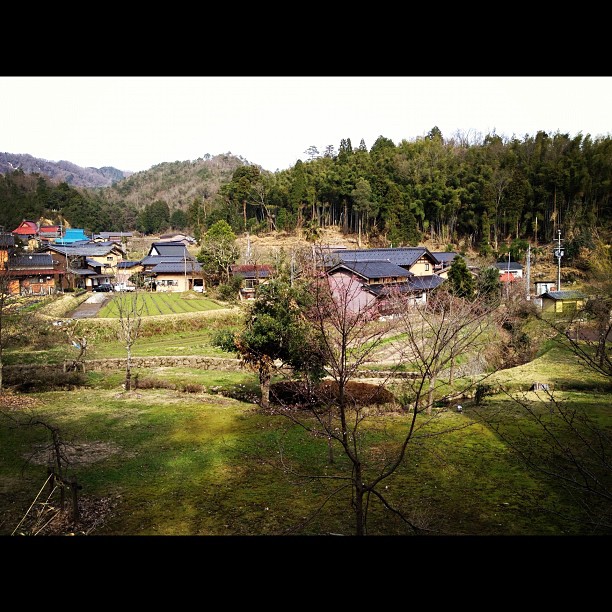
[(62, 171)]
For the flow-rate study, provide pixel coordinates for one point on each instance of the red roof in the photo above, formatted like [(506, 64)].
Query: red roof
[(26, 228), (49, 229), (507, 277), (250, 268)]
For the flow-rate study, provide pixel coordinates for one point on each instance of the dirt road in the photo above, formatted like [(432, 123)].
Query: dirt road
[(91, 306)]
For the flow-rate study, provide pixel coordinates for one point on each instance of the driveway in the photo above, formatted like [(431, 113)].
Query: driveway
[(91, 306)]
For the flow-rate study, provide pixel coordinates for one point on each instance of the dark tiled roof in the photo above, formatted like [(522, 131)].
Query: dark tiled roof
[(373, 269), (401, 256), (87, 249), (444, 256), (152, 260), (118, 234), (7, 240), (35, 260), (86, 272), (127, 264), (252, 273), (564, 295), (167, 267), (425, 283), (172, 249), (504, 265)]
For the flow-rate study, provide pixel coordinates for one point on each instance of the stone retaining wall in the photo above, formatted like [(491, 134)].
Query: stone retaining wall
[(102, 365), (189, 361)]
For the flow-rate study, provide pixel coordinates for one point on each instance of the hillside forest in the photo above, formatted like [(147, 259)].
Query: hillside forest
[(486, 194)]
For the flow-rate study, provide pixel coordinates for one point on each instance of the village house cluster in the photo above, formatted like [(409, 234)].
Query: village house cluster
[(52, 260)]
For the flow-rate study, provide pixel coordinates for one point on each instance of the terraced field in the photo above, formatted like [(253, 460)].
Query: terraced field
[(155, 304)]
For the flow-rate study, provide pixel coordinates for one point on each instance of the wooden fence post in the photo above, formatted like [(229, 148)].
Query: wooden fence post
[(75, 502)]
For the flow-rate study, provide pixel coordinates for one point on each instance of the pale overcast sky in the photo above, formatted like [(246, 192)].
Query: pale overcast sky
[(133, 123)]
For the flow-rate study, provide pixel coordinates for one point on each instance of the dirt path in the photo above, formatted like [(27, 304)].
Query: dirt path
[(90, 307)]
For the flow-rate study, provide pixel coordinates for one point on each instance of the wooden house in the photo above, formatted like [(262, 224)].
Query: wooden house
[(86, 265), (361, 283), (29, 273), (170, 267), (27, 233), (251, 275), (419, 261)]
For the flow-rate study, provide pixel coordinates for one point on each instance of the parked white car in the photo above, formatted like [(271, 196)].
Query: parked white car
[(124, 287)]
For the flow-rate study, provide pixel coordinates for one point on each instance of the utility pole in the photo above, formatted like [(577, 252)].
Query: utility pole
[(508, 277), (528, 269), (559, 255)]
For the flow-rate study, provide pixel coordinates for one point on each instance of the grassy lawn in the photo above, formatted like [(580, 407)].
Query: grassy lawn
[(169, 462), (189, 452)]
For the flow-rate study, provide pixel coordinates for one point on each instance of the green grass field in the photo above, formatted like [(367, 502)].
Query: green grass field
[(170, 462), (189, 452), (154, 304)]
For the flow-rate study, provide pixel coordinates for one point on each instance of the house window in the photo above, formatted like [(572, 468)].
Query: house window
[(110, 258), (426, 267)]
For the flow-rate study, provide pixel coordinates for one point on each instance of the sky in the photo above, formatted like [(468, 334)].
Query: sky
[(134, 123)]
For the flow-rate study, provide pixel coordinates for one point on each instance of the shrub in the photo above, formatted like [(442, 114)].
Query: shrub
[(43, 380), (152, 383), (297, 392), (193, 388)]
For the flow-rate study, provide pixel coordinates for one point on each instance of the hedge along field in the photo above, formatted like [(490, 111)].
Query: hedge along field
[(154, 304)]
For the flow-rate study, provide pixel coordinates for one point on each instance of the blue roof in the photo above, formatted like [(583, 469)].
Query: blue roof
[(72, 235)]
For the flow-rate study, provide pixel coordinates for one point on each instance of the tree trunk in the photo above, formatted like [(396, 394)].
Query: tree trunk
[(128, 370), (359, 511), (330, 441), (430, 394), (264, 381)]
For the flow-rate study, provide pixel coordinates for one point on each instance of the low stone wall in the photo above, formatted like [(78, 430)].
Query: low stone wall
[(103, 365), (189, 361)]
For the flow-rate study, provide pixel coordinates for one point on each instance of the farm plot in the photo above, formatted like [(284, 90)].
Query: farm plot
[(155, 304)]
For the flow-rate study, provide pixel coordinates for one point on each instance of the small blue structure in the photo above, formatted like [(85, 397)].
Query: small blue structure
[(72, 235)]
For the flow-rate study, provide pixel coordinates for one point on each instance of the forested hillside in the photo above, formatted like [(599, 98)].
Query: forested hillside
[(61, 171), (484, 195)]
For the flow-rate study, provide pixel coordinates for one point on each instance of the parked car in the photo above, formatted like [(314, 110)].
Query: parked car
[(124, 287), (103, 287)]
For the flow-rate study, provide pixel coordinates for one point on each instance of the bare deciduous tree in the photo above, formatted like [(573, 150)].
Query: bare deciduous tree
[(351, 335), (130, 307), (436, 333)]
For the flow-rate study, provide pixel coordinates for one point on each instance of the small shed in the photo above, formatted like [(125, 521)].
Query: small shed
[(562, 302)]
